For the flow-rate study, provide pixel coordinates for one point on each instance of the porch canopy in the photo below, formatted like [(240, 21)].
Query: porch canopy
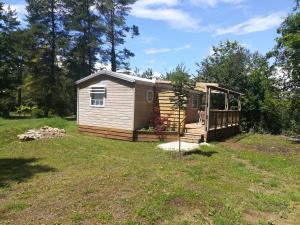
[(222, 106)]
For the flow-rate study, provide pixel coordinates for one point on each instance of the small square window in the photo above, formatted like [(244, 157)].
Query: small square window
[(97, 96), (149, 96)]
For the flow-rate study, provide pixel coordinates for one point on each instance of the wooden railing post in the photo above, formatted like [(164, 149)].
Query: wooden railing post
[(208, 93)]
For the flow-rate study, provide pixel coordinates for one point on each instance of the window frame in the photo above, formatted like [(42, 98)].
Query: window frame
[(147, 95), (197, 96), (198, 100), (98, 90)]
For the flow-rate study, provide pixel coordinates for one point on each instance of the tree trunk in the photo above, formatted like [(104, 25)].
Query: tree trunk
[(49, 93), (113, 60), (89, 52), (179, 131), (53, 40)]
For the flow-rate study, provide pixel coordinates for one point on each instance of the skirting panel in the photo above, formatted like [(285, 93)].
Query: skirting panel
[(107, 132), (219, 134), (146, 136)]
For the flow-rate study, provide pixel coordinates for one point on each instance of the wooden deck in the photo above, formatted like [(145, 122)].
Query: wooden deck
[(222, 127)]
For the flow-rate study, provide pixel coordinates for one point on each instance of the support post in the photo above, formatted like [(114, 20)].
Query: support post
[(208, 93), (179, 132)]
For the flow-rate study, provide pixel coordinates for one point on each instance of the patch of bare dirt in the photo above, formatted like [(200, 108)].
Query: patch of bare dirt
[(235, 144), (253, 217)]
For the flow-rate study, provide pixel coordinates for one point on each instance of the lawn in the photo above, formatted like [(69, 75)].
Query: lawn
[(80, 179)]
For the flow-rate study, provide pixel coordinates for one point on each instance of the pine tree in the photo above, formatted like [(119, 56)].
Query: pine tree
[(114, 13), (9, 60), (45, 25), (85, 30)]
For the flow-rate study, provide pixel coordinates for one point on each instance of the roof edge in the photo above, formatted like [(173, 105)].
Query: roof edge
[(106, 72)]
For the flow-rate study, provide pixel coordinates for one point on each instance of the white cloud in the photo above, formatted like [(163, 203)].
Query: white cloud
[(152, 61), (213, 3), (255, 24), (157, 50), (102, 66), (164, 11), (145, 40), (19, 8), (162, 50), (183, 47), (211, 51)]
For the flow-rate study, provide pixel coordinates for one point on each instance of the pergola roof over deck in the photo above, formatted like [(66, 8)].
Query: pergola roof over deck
[(201, 86)]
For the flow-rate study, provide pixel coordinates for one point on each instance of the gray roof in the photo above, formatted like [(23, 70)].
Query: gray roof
[(129, 78)]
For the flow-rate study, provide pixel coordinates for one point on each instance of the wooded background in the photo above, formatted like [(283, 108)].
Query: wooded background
[(64, 39)]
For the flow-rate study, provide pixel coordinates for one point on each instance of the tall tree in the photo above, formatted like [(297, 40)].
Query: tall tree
[(287, 62), (85, 29), (229, 64), (9, 60), (45, 24), (114, 13), (236, 67), (148, 74)]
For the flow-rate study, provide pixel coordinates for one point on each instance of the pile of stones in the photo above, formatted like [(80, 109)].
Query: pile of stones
[(44, 132)]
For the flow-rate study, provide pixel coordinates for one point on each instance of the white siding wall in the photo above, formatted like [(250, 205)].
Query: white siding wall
[(143, 109), (118, 112)]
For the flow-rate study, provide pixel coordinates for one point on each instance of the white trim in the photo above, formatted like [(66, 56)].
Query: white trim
[(147, 94), (98, 90), (129, 78)]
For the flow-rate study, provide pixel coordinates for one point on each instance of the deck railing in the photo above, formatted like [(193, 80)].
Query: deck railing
[(223, 118)]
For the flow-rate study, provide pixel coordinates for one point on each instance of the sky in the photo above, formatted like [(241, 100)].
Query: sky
[(184, 31)]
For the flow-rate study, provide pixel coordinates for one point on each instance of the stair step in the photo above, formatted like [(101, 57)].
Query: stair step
[(190, 140), (194, 134)]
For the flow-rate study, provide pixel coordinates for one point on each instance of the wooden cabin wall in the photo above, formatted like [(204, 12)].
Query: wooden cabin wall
[(192, 115), (142, 109), (164, 93)]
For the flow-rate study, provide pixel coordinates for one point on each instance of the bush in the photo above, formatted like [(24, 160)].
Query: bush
[(157, 122), (37, 112), (7, 104)]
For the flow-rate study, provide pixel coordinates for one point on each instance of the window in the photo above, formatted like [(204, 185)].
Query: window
[(149, 96), (196, 101), (97, 96)]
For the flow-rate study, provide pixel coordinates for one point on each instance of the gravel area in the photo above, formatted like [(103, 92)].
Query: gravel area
[(185, 146)]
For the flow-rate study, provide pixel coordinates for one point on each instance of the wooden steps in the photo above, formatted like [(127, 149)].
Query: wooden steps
[(194, 133)]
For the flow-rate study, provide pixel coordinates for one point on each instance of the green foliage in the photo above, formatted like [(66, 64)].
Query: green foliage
[(62, 43), (9, 59), (229, 64), (148, 74), (287, 62), (38, 113), (81, 54), (181, 86), (233, 65), (114, 15)]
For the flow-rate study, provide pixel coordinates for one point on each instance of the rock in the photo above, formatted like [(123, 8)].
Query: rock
[(44, 132)]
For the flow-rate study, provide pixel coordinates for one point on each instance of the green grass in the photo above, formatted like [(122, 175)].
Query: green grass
[(81, 179)]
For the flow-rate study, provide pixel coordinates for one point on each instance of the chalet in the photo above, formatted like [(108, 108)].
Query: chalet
[(120, 106)]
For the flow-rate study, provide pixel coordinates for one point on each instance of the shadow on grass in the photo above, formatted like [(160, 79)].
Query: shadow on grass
[(20, 169), (200, 152)]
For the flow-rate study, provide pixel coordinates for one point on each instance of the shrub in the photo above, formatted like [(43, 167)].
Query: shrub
[(6, 105), (37, 112), (157, 122)]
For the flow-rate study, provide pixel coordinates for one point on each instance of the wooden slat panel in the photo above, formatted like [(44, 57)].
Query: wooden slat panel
[(223, 118), (107, 132)]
